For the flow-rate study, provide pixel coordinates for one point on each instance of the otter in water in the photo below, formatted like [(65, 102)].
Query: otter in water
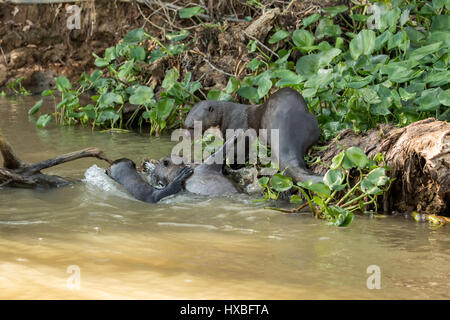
[(124, 172), (285, 110), (207, 178)]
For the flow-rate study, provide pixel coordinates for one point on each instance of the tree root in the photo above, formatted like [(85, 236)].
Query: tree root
[(17, 173), (419, 158)]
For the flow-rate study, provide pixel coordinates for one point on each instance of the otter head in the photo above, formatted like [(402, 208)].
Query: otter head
[(166, 170), (207, 112)]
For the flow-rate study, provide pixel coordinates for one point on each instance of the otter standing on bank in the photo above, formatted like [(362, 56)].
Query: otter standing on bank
[(285, 110), (124, 172)]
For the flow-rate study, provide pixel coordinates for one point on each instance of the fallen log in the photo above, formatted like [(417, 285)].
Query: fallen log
[(17, 173), (419, 158)]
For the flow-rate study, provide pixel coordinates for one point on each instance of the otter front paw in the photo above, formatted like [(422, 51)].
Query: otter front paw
[(182, 174)]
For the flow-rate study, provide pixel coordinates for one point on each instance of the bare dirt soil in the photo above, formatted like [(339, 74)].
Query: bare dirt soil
[(35, 37)]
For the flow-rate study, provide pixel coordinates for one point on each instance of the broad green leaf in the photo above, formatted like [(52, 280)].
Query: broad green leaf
[(310, 19), (334, 178), (36, 107), (178, 36), (142, 95), (444, 98), (377, 177), (281, 183), (44, 120), (62, 84), (335, 10), (138, 54), (278, 36), (107, 99), (303, 38), (320, 188), (134, 36), (164, 108), (362, 44), (428, 101), (187, 13), (424, 51), (250, 93), (357, 157)]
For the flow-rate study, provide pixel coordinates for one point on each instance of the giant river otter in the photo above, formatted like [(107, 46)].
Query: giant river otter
[(207, 179), (285, 110), (124, 172)]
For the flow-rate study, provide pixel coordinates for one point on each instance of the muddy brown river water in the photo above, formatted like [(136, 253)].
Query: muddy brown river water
[(91, 240)]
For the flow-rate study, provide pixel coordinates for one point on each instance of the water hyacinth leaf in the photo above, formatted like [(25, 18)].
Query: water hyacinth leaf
[(310, 19), (109, 98), (232, 85), (369, 95), (138, 54), (164, 108), (250, 93), (44, 120), (62, 84), (281, 183), (405, 95), (175, 49), (436, 79), (296, 199), (389, 18), (424, 51), (444, 98), (370, 188), (303, 38), (327, 28), (156, 55), (334, 178), (319, 188), (357, 157), (404, 17), (382, 39), (359, 17), (36, 107), (278, 36), (47, 93), (107, 115), (255, 64), (178, 36), (170, 79), (263, 181), (321, 79), (337, 160), (142, 95), (441, 22), (339, 216), (187, 13), (134, 36), (264, 85), (378, 177), (218, 95), (428, 101), (362, 44), (335, 10)]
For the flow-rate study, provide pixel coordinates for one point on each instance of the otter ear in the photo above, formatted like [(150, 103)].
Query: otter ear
[(210, 109), (165, 162)]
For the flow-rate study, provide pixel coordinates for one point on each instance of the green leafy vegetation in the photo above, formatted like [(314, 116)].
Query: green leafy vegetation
[(119, 81), (353, 183), (17, 87)]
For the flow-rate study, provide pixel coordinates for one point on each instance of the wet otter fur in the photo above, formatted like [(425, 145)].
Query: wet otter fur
[(285, 110), (207, 178), (124, 172)]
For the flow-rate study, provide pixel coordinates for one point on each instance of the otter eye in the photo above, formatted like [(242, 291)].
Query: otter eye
[(210, 109), (165, 163)]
